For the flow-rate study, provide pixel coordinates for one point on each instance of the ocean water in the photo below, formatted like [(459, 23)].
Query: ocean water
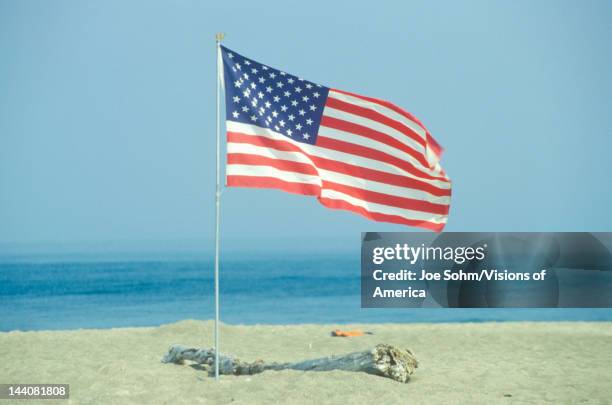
[(40, 293)]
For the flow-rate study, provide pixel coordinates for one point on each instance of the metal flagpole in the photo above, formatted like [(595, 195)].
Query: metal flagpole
[(219, 37)]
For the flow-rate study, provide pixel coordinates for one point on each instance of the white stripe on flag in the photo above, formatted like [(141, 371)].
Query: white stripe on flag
[(384, 209)]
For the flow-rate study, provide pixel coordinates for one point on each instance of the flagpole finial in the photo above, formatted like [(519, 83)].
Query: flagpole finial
[(219, 36)]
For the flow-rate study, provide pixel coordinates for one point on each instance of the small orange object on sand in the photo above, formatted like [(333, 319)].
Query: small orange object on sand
[(347, 333)]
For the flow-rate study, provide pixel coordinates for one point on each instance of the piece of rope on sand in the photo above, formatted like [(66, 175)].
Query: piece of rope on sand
[(383, 360)]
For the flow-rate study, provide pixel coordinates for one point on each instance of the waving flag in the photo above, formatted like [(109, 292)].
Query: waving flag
[(352, 152)]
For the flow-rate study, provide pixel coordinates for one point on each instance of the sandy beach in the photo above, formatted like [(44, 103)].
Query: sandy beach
[(459, 363)]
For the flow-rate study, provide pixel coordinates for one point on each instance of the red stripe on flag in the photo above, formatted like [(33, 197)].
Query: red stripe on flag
[(387, 199), (375, 216), (273, 182)]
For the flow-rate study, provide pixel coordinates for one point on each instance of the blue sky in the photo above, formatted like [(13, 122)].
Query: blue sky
[(107, 113)]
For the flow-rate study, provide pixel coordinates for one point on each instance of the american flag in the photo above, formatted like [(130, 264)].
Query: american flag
[(352, 152)]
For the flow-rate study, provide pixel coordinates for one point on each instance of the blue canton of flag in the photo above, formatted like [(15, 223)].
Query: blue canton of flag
[(260, 95)]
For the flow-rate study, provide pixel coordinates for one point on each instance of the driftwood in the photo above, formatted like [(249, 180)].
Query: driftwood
[(383, 360)]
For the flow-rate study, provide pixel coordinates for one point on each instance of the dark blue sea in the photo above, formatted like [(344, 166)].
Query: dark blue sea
[(46, 293)]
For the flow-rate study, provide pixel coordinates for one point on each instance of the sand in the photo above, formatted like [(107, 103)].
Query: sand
[(522, 363)]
